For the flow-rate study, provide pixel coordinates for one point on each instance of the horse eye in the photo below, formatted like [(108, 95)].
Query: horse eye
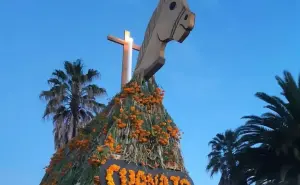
[(172, 5)]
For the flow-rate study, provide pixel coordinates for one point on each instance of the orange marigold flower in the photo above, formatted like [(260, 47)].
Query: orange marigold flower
[(109, 174), (103, 161), (175, 179), (123, 178), (184, 182), (132, 108), (131, 177), (99, 148)]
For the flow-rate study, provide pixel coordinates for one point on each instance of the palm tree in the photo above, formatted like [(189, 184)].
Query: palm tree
[(272, 140), (222, 158), (71, 100)]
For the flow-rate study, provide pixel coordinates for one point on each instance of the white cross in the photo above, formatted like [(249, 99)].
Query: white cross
[(128, 45)]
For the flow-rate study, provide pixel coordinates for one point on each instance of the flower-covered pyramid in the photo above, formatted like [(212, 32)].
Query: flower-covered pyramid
[(134, 127)]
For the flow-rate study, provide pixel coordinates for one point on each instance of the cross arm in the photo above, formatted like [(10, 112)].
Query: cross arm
[(122, 42)]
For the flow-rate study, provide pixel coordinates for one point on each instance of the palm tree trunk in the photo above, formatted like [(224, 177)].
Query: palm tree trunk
[(74, 131), (74, 108)]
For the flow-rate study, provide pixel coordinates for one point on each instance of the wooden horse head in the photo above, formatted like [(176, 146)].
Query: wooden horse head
[(171, 20)]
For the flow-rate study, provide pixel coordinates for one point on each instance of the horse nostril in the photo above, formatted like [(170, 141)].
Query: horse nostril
[(186, 17)]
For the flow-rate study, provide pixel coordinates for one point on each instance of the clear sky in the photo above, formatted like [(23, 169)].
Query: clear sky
[(235, 50)]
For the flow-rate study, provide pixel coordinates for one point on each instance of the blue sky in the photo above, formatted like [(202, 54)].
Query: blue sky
[(235, 50)]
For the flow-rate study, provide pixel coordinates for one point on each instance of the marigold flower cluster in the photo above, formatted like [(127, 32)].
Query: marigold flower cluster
[(131, 177), (134, 89), (123, 177), (81, 144), (56, 158), (104, 129), (118, 148), (109, 174), (161, 132), (140, 178), (163, 180), (109, 141), (139, 133), (95, 161), (53, 175), (175, 180), (150, 180), (137, 130), (184, 182), (162, 136), (147, 101), (174, 132), (120, 124), (100, 149)]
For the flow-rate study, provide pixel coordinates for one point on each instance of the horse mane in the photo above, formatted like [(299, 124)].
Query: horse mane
[(149, 31)]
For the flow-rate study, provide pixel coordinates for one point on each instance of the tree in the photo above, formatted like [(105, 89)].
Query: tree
[(222, 158), (71, 100), (272, 141)]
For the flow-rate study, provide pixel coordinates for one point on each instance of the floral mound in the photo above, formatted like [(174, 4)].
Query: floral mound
[(134, 127)]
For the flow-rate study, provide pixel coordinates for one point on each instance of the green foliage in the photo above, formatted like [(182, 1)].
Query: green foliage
[(222, 158), (71, 100), (104, 125), (269, 145)]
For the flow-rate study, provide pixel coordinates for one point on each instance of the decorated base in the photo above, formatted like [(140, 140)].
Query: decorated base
[(120, 172), (134, 133)]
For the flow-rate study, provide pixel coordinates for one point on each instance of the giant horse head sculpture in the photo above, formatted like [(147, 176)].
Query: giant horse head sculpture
[(171, 20)]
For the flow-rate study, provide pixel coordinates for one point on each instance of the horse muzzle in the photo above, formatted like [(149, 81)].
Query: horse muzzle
[(184, 26)]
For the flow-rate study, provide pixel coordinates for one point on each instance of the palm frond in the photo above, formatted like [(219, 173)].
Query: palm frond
[(291, 92), (274, 104), (222, 157), (60, 75), (92, 91), (270, 144), (69, 68), (90, 76), (47, 95)]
